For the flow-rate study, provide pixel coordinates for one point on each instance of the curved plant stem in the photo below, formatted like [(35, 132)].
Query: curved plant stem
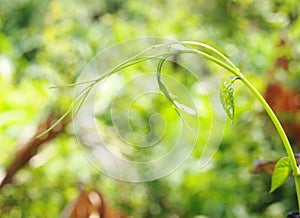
[(281, 133), (209, 53), (234, 70)]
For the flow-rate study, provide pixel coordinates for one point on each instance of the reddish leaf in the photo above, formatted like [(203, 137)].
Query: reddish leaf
[(90, 204), (85, 205), (286, 104)]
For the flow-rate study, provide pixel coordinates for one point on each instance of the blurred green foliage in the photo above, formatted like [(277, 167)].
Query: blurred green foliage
[(45, 43)]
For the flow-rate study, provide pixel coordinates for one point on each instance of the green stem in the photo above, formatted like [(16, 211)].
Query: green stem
[(223, 62), (281, 133), (234, 70), (269, 111)]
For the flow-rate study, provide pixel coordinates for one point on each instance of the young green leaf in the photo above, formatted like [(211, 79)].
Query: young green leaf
[(227, 98), (177, 106), (162, 86), (281, 173)]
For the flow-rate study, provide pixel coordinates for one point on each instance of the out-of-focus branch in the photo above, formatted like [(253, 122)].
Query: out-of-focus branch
[(30, 148)]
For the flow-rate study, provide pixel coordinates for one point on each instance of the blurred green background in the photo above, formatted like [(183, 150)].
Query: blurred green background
[(45, 43)]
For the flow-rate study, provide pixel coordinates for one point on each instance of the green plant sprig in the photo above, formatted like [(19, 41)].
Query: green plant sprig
[(215, 56)]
